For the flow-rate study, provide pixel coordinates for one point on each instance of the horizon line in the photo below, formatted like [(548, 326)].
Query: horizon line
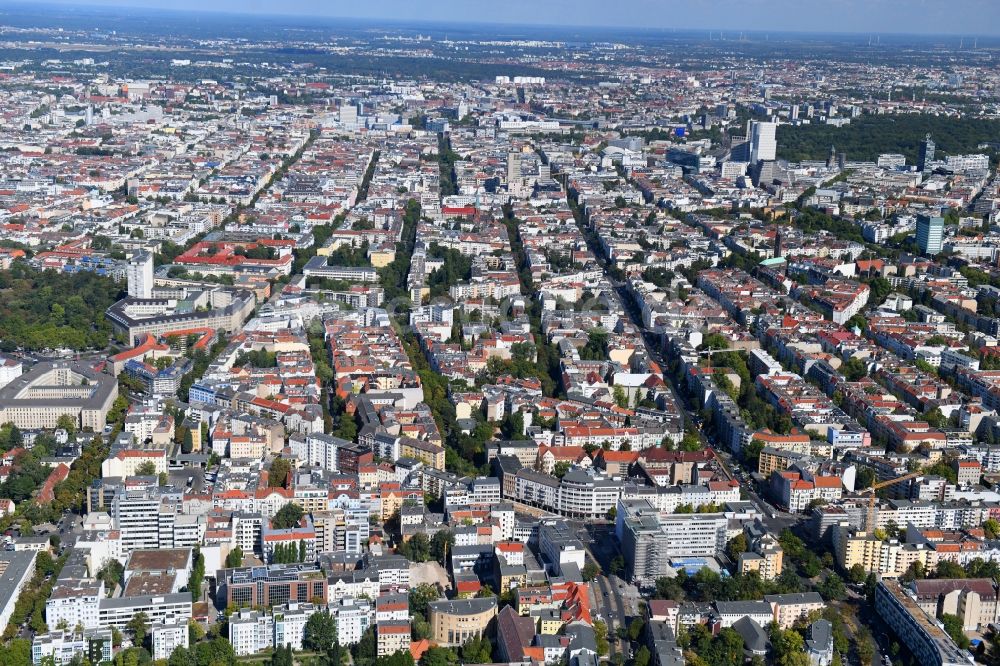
[(126, 6)]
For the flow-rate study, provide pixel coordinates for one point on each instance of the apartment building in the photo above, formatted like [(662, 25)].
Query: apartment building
[(126, 462), (75, 602), (353, 617), (789, 608), (890, 558), (289, 623), (393, 636), (250, 632), (972, 600), (16, 570), (926, 640), (351, 585), (167, 637), (765, 559), (64, 647)]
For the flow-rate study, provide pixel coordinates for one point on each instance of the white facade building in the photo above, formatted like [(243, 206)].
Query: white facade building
[(167, 637), (10, 369), (289, 623), (353, 617), (64, 646), (140, 275), (134, 513), (763, 143), (168, 608), (16, 569), (250, 632), (74, 602)]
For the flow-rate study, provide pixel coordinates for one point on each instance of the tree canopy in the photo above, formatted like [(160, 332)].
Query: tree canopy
[(320, 632), (870, 135), (287, 517), (49, 310)]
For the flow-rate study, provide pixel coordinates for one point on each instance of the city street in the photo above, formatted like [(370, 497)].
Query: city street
[(613, 599)]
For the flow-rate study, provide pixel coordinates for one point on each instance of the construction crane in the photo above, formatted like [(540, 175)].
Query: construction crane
[(712, 350), (870, 518)]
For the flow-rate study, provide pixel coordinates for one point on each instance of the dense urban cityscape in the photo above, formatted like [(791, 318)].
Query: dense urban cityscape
[(365, 344)]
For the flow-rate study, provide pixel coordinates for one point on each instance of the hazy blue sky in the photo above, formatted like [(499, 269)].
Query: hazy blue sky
[(965, 17)]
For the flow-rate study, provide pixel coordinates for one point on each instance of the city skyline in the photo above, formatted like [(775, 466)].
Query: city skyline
[(578, 333), (959, 18)]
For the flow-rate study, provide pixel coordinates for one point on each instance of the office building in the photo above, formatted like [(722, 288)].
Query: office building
[(36, 399), (455, 621), (890, 161), (650, 538), (348, 115), (135, 517), (977, 162), (160, 571), (930, 234), (729, 612), (586, 493), (10, 369), (318, 267), (167, 608), (925, 155), (274, 585), (740, 151), (182, 309), (763, 142), (562, 551)]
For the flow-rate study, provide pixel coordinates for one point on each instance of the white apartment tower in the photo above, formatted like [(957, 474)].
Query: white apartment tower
[(167, 637), (140, 275)]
